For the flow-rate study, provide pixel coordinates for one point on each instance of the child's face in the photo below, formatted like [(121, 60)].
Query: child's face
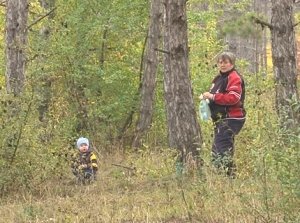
[(83, 148)]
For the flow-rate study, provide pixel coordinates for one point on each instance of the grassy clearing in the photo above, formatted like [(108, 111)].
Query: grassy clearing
[(150, 193)]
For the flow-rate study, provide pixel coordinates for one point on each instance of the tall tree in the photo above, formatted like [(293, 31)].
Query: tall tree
[(45, 89), (183, 128), (16, 40), (284, 61), (149, 72)]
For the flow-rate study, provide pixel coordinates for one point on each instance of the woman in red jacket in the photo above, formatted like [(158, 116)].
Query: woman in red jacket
[(226, 98)]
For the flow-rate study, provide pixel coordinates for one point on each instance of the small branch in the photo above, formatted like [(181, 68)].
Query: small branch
[(3, 4), (125, 167), (142, 60), (32, 58), (42, 17), (296, 24), (262, 23), (163, 51), (21, 131)]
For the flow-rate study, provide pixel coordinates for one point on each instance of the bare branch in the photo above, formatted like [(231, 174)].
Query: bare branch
[(125, 167), (163, 51), (42, 17), (262, 23), (296, 24)]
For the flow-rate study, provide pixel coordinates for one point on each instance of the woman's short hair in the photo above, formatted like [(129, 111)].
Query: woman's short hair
[(226, 56)]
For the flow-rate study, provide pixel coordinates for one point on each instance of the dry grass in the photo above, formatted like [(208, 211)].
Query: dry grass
[(151, 193)]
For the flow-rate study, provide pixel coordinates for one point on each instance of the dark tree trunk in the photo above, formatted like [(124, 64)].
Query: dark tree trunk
[(183, 128), (16, 41), (284, 62), (149, 72), (45, 90)]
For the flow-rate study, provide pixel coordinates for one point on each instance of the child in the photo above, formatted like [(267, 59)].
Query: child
[(84, 164)]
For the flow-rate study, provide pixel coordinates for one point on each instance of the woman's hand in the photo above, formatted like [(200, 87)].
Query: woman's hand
[(207, 95)]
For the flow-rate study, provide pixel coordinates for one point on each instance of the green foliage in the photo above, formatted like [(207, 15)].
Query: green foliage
[(84, 51), (66, 80), (67, 74), (204, 46), (24, 160), (241, 24)]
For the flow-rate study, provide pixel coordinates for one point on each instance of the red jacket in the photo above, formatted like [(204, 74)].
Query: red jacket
[(229, 94)]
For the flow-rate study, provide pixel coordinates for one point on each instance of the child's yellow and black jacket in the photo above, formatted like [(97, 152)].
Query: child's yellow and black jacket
[(89, 159)]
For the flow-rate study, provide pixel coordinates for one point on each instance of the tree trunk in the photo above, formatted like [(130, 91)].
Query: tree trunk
[(265, 7), (284, 62), (150, 68), (45, 90), (183, 128), (16, 40)]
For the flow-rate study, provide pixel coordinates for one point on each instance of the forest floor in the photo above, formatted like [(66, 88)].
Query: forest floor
[(144, 187)]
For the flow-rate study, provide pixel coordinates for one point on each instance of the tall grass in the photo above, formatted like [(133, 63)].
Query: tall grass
[(150, 191)]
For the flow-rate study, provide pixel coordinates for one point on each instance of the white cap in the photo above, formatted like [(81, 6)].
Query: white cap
[(82, 140)]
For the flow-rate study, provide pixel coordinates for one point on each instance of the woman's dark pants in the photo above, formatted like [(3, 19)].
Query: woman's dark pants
[(223, 146)]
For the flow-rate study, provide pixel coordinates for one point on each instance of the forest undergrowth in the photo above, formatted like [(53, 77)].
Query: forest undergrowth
[(81, 80), (143, 185)]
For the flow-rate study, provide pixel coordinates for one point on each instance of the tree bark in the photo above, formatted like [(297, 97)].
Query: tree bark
[(183, 128), (284, 62), (149, 73), (45, 90), (16, 41)]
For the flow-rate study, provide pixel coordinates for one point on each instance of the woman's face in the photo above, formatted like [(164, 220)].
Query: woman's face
[(225, 65)]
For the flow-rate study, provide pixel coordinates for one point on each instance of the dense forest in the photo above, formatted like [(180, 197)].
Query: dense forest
[(128, 75)]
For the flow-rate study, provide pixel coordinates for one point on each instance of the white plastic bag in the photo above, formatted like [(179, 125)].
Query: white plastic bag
[(204, 110)]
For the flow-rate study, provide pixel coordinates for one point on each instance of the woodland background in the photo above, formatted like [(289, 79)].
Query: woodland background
[(83, 70)]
